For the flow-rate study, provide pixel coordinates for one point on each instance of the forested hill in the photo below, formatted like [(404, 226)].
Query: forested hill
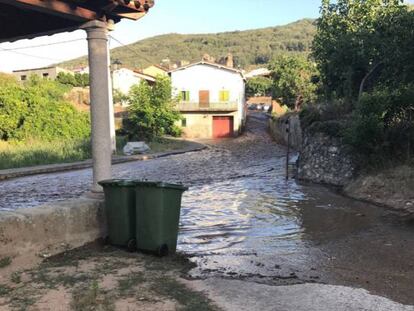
[(251, 47)]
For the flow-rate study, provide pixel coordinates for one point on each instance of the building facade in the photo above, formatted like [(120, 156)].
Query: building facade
[(212, 99), (45, 72), (155, 70), (123, 79)]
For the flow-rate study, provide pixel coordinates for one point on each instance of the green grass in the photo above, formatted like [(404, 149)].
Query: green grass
[(167, 144), (31, 153)]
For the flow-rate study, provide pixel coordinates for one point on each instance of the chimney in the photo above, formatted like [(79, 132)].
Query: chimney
[(208, 58), (229, 60)]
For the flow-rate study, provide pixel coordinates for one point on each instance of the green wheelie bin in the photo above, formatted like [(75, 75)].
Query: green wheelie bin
[(120, 212), (158, 208)]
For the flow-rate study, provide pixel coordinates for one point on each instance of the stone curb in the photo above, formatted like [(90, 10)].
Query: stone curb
[(53, 168)]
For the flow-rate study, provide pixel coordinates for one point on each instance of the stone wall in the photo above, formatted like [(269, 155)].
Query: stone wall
[(324, 159), (277, 127), (27, 235)]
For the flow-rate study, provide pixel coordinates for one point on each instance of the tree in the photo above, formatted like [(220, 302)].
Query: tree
[(354, 37), (66, 78), (37, 110), (75, 80), (152, 112), (259, 86), (294, 79)]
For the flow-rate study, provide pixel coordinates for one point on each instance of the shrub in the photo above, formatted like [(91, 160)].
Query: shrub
[(37, 110), (152, 112), (382, 124), (309, 115)]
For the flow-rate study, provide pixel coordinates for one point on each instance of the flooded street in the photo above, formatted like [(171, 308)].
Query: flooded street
[(242, 219)]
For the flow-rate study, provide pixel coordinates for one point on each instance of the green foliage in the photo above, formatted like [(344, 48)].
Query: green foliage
[(250, 48), (294, 77), (356, 38), (75, 80), (119, 97), (152, 112), (309, 115), (259, 86), (37, 110), (382, 124)]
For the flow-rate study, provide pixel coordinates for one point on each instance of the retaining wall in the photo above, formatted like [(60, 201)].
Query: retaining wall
[(47, 230), (278, 126)]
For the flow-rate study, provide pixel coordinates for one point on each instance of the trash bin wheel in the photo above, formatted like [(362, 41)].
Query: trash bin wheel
[(163, 250), (132, 245)]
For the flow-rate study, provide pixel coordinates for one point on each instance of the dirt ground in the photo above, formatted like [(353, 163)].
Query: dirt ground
[(98, 277)]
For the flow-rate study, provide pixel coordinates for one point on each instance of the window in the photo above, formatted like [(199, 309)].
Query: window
[(224, 96), (45, 75), (23, 78), (184, 122), (185, 96)]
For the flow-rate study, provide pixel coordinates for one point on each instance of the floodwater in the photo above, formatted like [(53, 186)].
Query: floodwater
[(242, 219)]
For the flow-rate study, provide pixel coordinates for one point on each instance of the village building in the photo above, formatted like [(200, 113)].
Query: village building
[(212, 99), (45, 72), (155, 70), (123, 79)]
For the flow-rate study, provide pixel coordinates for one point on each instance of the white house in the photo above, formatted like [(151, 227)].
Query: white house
[(212, 99), (123, 79)]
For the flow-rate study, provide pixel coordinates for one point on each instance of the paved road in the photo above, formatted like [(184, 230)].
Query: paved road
[(226, 159), (242, 220)]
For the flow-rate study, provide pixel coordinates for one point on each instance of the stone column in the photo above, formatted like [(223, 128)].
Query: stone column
[(111, 106), (97, 36)]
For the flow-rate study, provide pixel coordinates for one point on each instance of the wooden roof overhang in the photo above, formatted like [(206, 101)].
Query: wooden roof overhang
[(25, 19)]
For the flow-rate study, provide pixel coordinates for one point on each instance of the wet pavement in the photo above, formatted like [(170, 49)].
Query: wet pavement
[(241, 219)]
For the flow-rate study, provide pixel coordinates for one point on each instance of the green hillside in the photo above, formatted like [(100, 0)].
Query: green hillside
[(250, 48)]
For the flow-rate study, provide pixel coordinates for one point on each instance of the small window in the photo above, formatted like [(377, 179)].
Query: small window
[(184, 122), (185, 96), (23, 78), (45, 75), (224, 96)]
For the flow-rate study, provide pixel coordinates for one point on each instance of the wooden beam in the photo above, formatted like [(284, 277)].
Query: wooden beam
[(56, 7)]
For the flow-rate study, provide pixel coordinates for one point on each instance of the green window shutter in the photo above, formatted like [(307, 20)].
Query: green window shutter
[(185, 96)]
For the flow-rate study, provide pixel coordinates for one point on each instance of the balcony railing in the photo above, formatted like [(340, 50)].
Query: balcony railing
[(222, 106)]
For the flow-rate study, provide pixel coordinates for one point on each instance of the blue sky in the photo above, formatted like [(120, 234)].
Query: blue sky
[(179, 16)]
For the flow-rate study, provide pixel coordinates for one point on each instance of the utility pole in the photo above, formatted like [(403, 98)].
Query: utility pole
[(287, 123)]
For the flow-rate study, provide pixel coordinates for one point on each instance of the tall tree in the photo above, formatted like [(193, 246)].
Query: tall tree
[(294, 80), (355, 38)]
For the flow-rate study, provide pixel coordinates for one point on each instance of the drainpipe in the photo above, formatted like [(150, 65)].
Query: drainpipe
[(97, 36)]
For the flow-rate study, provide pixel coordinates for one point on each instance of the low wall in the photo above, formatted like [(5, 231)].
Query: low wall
[(47, 230), (324, 159), (277, 127)]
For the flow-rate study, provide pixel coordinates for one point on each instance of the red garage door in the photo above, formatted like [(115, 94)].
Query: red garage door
[(222, 127)]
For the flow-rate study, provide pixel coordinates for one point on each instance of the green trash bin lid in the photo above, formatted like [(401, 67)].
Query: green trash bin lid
[(117, 183), (160, 184)]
